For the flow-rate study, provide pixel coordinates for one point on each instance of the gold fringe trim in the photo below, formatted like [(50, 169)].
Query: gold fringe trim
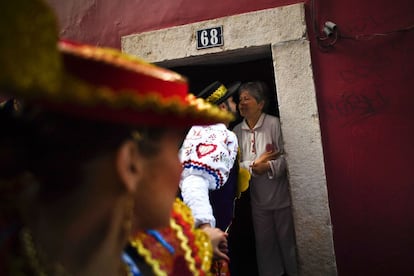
[(122, 60), (184, 245), (137, 244), (83, 94)]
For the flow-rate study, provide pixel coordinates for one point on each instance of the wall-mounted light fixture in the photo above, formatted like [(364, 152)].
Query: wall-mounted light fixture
[(329, 37), (330, 28)]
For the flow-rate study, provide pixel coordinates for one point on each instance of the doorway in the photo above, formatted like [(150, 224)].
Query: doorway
[(200, 76), (241, 240), (244, 65)]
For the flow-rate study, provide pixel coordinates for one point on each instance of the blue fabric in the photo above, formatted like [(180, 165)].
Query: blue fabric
[(133, 268), (161, 240)]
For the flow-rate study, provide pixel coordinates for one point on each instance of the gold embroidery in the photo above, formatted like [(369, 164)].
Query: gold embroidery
[(217, 95)]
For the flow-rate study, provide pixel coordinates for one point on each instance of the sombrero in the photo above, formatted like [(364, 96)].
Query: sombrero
[(94, 82), (217, 93)]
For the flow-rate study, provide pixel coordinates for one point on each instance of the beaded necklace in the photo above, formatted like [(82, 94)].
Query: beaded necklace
[(34, 257), (38, 265)]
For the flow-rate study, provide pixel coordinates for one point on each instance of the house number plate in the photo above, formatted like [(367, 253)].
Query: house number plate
[(211, 37)]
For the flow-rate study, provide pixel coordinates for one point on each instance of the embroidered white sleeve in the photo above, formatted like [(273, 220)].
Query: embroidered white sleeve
[(210, 152), (194, 190)]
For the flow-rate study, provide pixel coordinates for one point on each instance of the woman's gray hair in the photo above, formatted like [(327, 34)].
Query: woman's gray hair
[(258, 90)]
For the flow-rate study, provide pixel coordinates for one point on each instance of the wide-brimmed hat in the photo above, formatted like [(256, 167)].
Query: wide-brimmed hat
[(93, 82), (217, 93), (122, 88)]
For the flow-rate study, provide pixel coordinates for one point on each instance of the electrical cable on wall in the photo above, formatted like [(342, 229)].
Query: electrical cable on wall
[(330, 35), (374, 35)]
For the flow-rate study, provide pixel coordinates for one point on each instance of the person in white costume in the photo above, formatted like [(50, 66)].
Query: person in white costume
[(208, 155)]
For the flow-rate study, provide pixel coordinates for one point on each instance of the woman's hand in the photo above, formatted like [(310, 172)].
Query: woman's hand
[(261, 165), (267, 156), (218, 240)]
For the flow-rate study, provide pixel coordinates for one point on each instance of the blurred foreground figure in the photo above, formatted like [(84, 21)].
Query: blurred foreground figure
[(81, 158)]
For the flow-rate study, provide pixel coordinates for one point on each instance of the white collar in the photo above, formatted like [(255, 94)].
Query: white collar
[(259, 123)]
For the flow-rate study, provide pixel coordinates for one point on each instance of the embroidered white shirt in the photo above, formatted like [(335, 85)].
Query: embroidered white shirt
[(207, 154)]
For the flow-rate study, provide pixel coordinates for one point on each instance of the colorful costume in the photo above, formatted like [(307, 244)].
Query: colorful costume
[(177, 250), (181, 249)]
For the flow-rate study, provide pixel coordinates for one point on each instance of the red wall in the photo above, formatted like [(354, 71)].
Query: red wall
[(365, 93), (104, 22)]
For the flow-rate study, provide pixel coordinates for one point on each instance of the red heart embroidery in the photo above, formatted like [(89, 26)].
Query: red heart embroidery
[(205, 149)]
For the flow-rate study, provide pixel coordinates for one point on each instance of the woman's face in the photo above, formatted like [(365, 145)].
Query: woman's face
[(159, 184), (248, 106)]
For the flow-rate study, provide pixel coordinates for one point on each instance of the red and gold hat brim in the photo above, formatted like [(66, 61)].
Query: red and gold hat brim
[(107, 85), (125, 89)]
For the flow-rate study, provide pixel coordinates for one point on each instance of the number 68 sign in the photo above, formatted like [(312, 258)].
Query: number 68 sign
[(208, 38)]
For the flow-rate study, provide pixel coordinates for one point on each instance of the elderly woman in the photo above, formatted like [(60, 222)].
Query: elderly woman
[(261, 145), (92, 150)]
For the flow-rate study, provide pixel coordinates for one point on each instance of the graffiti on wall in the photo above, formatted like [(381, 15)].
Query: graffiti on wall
[(353, 106)]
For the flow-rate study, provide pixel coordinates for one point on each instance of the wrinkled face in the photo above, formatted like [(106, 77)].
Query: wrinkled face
[(248, 106), (159, 183)]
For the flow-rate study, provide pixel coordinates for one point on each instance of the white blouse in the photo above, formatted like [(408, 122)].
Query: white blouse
[(270, 190)]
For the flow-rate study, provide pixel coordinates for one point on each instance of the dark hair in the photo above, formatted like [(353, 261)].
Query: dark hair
[(258, 90), (42, 160)]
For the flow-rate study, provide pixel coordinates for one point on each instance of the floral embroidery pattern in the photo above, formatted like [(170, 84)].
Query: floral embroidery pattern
[(209, 151)]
